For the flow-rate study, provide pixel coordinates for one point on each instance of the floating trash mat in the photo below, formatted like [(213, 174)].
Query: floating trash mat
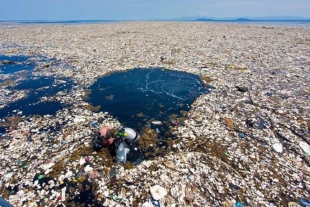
[(34, 102), (139, 95)]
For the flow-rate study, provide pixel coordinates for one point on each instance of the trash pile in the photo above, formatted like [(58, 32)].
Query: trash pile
[(247, 143)]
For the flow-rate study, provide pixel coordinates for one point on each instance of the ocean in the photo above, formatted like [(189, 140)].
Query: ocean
[(294, 23)]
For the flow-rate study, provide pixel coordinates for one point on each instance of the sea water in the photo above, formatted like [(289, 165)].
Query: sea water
[(37, 88), (136, 96)]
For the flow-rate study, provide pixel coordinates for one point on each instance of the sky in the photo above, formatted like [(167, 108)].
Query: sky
[(148, 9)]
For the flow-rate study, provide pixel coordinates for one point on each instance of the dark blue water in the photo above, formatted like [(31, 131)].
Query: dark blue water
[(2, 130), (12, 64), (139, 95), (43, 86)]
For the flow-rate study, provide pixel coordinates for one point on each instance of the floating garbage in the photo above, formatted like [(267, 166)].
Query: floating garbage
[(158, 192), (40, 177), (88, 168), (239, 204), (293, 204), (94, 124), (78, 119), (63, 194), (82, 161), (8, 176), (277, 147), (305, 147), (284, 114), (242, 136), (156, 122)]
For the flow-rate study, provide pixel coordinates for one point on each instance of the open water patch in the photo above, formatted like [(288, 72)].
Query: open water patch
[(37, 88), (139, 95), (17, 63), (12, 64)]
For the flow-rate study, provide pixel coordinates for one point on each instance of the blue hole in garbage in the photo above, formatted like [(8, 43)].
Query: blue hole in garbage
[(12, 64), (139, 95), (37, 88)]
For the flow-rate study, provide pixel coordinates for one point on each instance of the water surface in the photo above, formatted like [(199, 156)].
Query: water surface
[(37, 87), (139, 95)]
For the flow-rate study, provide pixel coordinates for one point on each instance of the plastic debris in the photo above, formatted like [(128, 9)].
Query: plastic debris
[(239, 204), (287, 108), (158, 192), (94, 124), (82, 161), (156, 122), (305, 147), (63, 194), (8, 176), (87, 159), (114, 197), (277, 147), (88, 168), (78, 119), (40, 177), (242, 136), (293, 204), (242, 88)]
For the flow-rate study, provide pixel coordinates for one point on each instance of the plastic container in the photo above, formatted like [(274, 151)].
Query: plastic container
[(121, 153)]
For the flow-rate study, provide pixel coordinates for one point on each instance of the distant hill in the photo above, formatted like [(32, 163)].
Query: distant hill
[(242, 20), (211, 20), (266, 18), (279, 18), (204, 19)]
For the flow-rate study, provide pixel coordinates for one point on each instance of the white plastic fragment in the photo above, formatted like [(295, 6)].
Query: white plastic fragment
[(277, 147), (63, 194), (88, 168), (8, 176), (68, 174), (82, 161), (147, 204), (47, 166), (157, 122), (158, 192), (78, 119), (305, 147), (61, 178)]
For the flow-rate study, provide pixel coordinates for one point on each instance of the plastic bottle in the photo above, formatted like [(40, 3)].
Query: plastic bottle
[(121, 153)]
